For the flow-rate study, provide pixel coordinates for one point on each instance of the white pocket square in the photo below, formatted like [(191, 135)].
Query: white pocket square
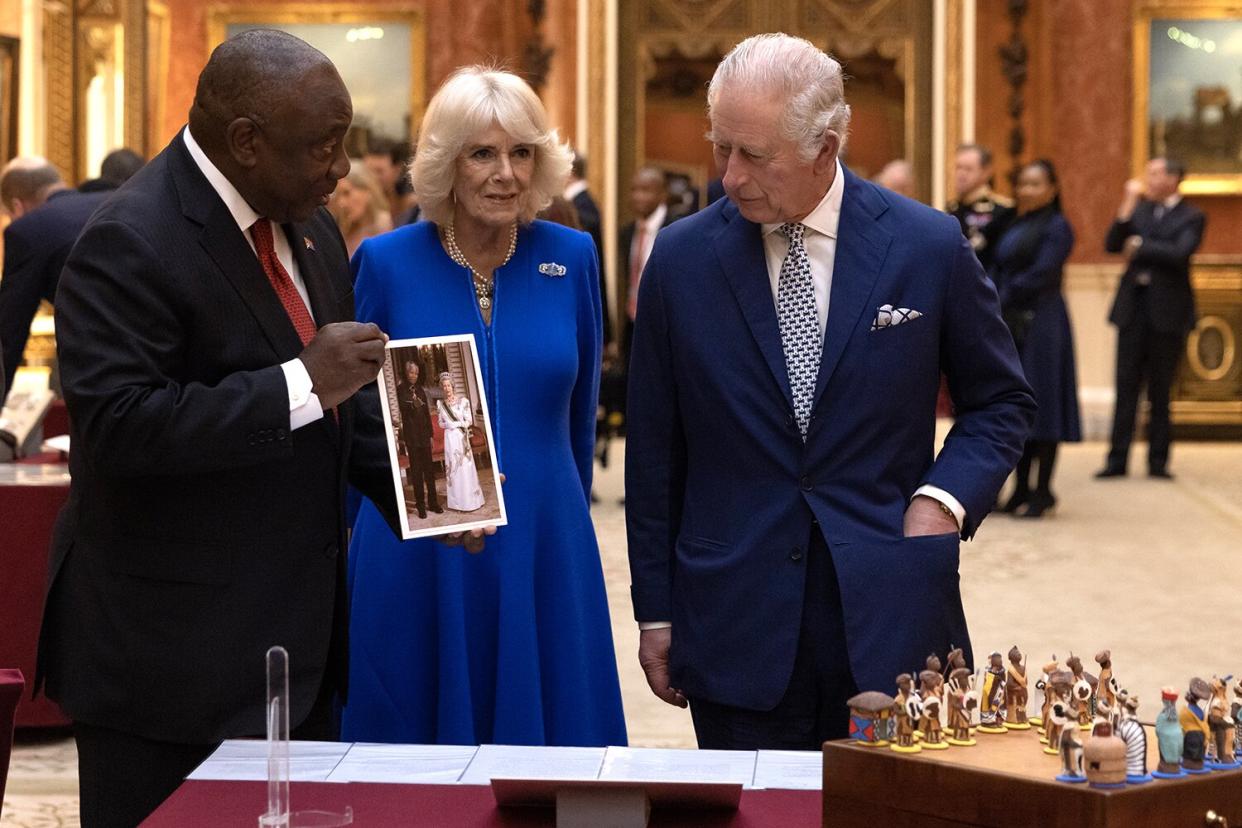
[(886, 316)]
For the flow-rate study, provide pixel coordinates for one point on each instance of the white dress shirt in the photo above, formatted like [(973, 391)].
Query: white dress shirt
[(651, 226), (304, 407), (820, 239)]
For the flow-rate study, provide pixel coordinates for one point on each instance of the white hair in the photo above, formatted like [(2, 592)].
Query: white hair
[(468, 103), (809, 81)]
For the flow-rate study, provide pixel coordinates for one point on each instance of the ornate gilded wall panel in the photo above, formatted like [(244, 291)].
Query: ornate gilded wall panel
[(1208, 390), (96, 80)]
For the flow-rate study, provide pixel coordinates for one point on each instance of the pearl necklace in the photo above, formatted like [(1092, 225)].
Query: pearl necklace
[(484, 288)]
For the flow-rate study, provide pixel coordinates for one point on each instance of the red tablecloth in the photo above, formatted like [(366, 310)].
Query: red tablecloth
[(220, 804), (11, 686), (27, 513)]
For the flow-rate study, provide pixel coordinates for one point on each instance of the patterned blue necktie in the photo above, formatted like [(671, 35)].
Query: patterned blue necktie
[(800, 338)]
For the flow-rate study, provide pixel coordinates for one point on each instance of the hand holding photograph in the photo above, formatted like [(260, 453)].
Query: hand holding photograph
[(440, 437)]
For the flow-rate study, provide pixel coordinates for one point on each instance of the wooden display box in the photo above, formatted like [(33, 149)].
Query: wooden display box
[(1007, 780)]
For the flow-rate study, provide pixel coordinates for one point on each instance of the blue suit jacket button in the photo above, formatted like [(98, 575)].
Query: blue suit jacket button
[(805, 483), (796, 554)]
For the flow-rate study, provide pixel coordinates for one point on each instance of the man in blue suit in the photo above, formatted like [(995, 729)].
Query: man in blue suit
[(793, 537)]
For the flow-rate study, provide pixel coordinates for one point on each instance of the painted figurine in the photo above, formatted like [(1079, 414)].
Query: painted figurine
[(906, 711), (1046, 688), (992, 698), (1082, 700), (1132, 733), (1061, 720), (1061, 682), (1235, 710), (956, 660), (961, 701), (1015, 691), (1221, 725), (929, 716), (1105, 754), (1106, 687), (1169, 737), (1195, 731)]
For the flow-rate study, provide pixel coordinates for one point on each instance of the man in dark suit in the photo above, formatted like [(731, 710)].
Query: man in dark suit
[(576, 193), (1154, 308), (35, 248), (416, 433), (213, 376), (793, 538), (649, 201)]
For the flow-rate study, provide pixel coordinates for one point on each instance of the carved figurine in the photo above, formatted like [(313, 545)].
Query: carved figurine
[(1015, 691), (956, 660), (1195, 731), (929, 717), (1061, 683), (1082, 702), (992, 698), (1043, 686), (906, 711), (933, 664), (1132, 733), (961, 701), (1235, 710), (1105, 755), (1221, 726), (1106, 687), (1061, 719), (1169, 737)]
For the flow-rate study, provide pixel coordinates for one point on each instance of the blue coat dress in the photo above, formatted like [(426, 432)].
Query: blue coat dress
[(1028, 274), (512, 645)]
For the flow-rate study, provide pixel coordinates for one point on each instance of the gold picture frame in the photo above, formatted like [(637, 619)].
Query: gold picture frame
[(9, 50), (367, 18), (1182, 54)]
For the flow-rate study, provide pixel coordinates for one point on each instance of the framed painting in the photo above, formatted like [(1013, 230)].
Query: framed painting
[(378, 50), (1188, 90)]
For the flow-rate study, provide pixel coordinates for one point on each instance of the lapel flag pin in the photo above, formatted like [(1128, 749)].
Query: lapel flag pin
[(310, 245)]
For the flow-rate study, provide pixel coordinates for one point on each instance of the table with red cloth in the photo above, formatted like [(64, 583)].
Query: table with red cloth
[(11, 686), (30, 498), (227, 803)]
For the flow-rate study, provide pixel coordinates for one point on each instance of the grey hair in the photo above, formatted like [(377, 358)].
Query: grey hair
[(810, 82), (468, 103)]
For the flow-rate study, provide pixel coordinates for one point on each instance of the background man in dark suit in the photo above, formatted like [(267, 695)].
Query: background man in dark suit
[(576, 193), (35, 248), (25, 184), (648, 200), (211, 373), (792, 537), (416, 433), (1154, 308)]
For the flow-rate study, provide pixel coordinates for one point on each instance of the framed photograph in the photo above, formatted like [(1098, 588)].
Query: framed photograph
[(377, 48), (1188, 90), (440, 436)]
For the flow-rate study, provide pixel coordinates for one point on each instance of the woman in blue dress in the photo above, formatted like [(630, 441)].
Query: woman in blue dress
[(1029, 267), (512, 645)]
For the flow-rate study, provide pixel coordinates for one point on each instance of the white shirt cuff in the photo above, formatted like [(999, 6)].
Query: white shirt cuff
[(643, 626), (936, 493), (304, 407)]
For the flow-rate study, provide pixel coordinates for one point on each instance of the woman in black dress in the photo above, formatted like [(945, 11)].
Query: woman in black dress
[(1028, 271)]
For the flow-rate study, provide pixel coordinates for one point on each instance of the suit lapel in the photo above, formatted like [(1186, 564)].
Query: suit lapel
[(224, 243), (861, 249), (739, 249)]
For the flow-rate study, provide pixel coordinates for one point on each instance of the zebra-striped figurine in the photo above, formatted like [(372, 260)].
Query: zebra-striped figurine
[(1135, 737)]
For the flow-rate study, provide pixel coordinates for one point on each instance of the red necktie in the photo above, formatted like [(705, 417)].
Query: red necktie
[(265, 247), (636, 267)]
